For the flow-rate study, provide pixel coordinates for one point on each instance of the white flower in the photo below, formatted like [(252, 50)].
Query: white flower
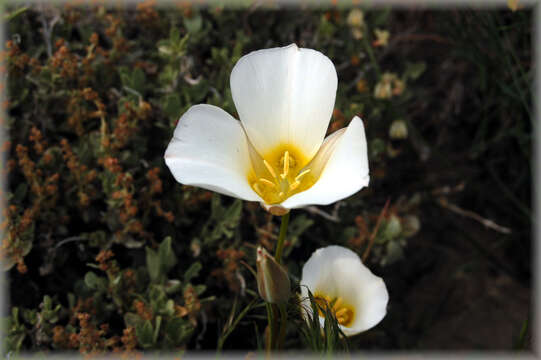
[(277, 153), (355, 18), (336, 275)]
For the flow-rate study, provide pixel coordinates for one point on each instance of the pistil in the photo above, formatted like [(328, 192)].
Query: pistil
[(283, 177), (286, 165)]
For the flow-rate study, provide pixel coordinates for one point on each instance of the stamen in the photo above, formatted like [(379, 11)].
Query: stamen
[(267, 165), (267, 182), (281, 194), (294, 185), (286, 165), (337, 304), (341, 312), (302, 173), (256, 187)]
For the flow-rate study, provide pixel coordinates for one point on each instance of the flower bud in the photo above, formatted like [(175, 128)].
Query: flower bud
[(398, 130), (355, 18), (411, 225), (272, 279)]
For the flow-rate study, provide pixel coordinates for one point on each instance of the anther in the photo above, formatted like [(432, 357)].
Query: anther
[(294, 185), (267, 165), (304, 172), (257, 188), (267, 182), (337, 303), (286, 165)]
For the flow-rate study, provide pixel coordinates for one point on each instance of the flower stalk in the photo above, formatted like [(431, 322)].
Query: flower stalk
[(270, 272), (278, 258), (281, 238)]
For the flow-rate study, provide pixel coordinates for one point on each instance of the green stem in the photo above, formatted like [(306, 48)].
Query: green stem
[(270, 320), (281, 238), (283, 323), (370, 52), (274, 342), (279, 338)]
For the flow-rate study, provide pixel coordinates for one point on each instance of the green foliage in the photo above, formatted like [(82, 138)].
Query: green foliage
[(160, 262), (328, 339), (105, 248), (223, 221)]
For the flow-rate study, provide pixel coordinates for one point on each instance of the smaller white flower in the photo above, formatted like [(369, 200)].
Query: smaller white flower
[(336, 275)]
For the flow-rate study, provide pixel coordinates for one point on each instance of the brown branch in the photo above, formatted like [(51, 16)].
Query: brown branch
[(470, 214), (422, 37), (375, 231)]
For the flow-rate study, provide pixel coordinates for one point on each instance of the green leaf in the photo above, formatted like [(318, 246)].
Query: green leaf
[(166, 255), (381, 17), (177, 330), (91, 280), (169, 308), (153, 264), (223, 221), (157, 329), (12, 15), (174, 35), (193, 24), (125, 75), (172, 105), (132, 319), (138, 80), (20, 193), (30, 316), (192, 271), (296, 228), (199, 289), (172, 286), (95, 282), (145, 334), (132, 80), (394, 253), (414, 70)]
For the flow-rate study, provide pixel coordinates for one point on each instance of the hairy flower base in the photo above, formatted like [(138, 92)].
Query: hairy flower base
[(280, 174), (345, 313)]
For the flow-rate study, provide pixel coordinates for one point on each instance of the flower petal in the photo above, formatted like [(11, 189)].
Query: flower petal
[(338, 272), (285, 96), (209, 149), (343, 164)]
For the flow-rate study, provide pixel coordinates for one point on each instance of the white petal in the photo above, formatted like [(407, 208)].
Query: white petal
[(209, 149), (343, 160), (338, 272), (285, 95)]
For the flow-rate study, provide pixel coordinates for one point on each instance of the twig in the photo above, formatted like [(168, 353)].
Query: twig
[(133, 91), (242, 282), (422, 37), (375, 231), (251, 269), (47, 30), (70, 239), (267, 233), (446, 190), (191, 80), (470, 214), (332, 217), (204, 320)]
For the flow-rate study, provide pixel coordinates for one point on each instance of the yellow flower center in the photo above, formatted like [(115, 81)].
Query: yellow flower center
[(344, 312), (282, 175)]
